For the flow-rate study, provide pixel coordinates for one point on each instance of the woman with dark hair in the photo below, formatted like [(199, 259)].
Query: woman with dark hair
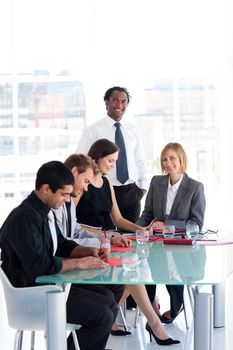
[(94, 208), (99, 201)]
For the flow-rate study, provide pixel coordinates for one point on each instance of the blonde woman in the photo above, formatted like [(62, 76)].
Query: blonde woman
[(174, 198)]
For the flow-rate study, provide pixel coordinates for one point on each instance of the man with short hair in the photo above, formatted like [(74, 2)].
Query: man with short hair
[(30, 248), (131, 184), (83, 169)]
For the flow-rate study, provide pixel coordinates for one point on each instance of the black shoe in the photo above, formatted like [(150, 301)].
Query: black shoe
[(168, 341), (165, 319), (120, 332)]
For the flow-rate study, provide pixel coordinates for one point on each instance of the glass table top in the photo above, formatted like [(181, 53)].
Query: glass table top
[(160, 264)]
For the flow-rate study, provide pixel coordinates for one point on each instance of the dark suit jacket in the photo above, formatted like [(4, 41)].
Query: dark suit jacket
[(189, 203)]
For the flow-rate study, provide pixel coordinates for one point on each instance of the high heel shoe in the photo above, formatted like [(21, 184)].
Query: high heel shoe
[(168, 341), (165, 319)]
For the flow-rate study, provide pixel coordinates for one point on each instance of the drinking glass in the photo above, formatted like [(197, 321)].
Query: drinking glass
[(143, 251), (168, 231), (105, 243), (130, 261), (151, 232), (192, 230), (142, 236), (130, 276)]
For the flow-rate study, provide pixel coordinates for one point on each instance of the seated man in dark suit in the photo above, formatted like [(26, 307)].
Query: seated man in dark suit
[(30, 248)]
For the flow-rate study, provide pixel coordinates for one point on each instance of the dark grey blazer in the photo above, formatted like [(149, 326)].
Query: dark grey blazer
[(189, 203)]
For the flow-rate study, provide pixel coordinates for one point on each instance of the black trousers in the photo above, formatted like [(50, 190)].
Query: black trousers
[(176, 297), (95, 308), (128, 198)]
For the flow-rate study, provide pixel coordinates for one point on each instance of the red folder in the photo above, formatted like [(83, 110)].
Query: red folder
[(179, 241), (116, 248), (114, 261), (178, 230), (151, 238)]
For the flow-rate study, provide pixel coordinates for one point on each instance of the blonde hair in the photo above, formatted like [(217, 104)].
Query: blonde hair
[(176, 147)]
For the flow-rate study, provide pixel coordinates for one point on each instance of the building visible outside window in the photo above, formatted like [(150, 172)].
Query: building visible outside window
[(55, 70)]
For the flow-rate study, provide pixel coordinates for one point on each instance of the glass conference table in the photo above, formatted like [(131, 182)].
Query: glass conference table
[(194, 265)]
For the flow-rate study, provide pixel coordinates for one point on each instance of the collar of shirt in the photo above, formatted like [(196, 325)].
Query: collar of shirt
[(111, 121), (42, 208), (176, 186)]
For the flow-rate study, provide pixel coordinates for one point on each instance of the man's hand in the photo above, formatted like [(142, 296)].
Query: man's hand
[(80, 252), (104, 253), (90, 263), (121, 241)]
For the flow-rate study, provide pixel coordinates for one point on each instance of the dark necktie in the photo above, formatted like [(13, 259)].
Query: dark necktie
[(121, 164), (68, 210)]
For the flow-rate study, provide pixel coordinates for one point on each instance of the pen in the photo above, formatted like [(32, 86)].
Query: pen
[(206, 240), (101, 241), (212, 231)]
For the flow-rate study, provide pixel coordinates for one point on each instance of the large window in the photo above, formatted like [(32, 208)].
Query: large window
[(59, 57)]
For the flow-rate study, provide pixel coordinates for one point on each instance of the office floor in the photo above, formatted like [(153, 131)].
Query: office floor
[(139, 340)]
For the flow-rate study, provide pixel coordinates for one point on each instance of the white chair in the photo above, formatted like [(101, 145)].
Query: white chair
[(123, 311), (26, 310)]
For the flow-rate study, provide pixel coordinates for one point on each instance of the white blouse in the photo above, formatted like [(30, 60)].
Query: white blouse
[(171, 194)]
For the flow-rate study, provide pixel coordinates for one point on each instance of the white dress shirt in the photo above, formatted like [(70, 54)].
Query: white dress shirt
[(79, 235), (171, 194), (52, 227), (104, 128)]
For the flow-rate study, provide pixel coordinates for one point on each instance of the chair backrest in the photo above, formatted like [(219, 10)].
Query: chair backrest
[(26, 307)]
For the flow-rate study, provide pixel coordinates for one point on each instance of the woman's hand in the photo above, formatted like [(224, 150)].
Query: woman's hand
[(158, 225), (104, 253), (121, 241)]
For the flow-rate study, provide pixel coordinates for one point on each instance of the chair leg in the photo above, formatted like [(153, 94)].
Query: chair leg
[(32, 340), (75, 339), (186, 318), (136, 317), (18, 340), (123, 318)]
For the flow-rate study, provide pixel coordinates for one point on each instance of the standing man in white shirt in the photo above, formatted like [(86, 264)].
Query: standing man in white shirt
[(129, 178)]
